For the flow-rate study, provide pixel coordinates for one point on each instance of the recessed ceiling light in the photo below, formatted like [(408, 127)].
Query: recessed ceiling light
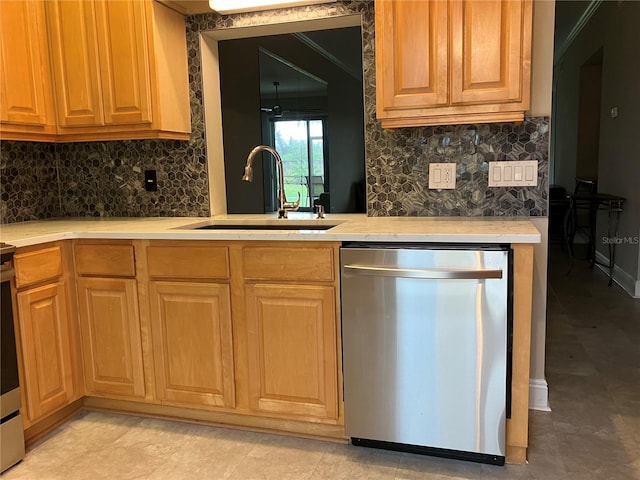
[(226, 7)]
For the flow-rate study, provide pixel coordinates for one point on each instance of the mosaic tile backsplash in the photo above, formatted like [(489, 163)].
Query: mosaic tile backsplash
[(40, 180), (397, 173), (29, 183)]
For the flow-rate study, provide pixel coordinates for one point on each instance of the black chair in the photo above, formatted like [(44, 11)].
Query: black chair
[(558, 207), (581, 217)]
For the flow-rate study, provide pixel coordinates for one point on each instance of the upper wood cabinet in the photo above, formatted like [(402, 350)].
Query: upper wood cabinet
[(100, 59), (119, 68), (26, 99), (452, 62)]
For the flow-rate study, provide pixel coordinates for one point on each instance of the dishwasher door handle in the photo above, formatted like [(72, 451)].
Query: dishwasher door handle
[(437, 274)]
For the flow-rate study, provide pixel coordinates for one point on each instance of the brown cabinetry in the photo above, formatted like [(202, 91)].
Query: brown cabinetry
[(109, 320), (238, 332), (192, 340), (246, 327), (190, 311), (451, 62), (291, 338), (291, 330), (45, 339), (26, 94), (119, 69)]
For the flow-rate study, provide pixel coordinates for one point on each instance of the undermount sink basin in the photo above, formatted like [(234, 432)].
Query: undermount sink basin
[(270, 224), (281, 226)]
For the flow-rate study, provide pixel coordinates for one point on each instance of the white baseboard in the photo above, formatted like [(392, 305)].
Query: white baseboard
[(622, 278), (539, 395)]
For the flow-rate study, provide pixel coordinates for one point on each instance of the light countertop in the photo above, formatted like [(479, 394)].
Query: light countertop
[(349, 227)]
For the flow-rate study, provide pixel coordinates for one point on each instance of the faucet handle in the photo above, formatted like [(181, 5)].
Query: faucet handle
[(292, 206), (287, 207)]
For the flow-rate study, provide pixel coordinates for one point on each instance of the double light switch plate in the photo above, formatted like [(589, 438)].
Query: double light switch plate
[(522, 173)]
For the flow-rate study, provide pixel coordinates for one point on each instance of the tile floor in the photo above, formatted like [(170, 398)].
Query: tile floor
[(593, 432)]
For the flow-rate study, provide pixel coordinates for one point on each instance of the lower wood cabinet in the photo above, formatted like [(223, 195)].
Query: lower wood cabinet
[(192, 343), (292, 350), (111, 344), (246, 332), (46, 350)]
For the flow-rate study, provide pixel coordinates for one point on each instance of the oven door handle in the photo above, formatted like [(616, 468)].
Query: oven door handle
[(437, 274), (6, 274)]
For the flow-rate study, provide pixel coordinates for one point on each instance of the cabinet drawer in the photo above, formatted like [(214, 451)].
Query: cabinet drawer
[(37, 266), (188, 262), (105, 260), (288, 263)]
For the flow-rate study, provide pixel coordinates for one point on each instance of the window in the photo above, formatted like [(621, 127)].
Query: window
[(301, 145)]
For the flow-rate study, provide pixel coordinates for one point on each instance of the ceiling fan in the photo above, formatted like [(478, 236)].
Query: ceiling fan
[(277, 110)]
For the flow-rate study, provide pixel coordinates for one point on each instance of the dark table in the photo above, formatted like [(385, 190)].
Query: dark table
[(593, 202)]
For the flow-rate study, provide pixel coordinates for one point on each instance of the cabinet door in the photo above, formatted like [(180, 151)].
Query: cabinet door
[(291, 335), (24, 63), (74, 59), (45, 335), (111, 344), (487, 50), (411, 54), (124, 61), (192, 343)]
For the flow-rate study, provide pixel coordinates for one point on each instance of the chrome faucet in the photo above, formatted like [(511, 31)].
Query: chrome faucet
[(284, 207)]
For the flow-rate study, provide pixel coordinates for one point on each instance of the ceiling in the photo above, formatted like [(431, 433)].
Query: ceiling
[(570, 17), (294, 81), (340, 46)]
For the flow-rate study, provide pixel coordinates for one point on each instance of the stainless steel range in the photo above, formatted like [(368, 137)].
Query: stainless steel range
[(11, 429)]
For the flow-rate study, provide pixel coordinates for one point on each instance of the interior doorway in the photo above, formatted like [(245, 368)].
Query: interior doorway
[(589, 100)]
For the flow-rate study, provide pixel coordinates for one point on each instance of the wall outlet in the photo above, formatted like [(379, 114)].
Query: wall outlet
[(442, 175), (513, 174), (150, 181)]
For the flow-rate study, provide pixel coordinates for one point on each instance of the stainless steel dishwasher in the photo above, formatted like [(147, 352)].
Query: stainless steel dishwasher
[(425, 348)]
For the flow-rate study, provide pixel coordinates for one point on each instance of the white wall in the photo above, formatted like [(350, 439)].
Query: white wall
[(541, 82)]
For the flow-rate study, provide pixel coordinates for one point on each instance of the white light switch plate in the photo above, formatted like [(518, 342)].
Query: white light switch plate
[(513, 174), (442, 175)]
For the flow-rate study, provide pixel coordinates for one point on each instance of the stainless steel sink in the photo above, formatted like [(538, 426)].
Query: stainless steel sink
[(281, 226), (270, 224)]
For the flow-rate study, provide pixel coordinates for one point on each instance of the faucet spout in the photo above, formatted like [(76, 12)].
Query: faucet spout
[(284, 207)]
